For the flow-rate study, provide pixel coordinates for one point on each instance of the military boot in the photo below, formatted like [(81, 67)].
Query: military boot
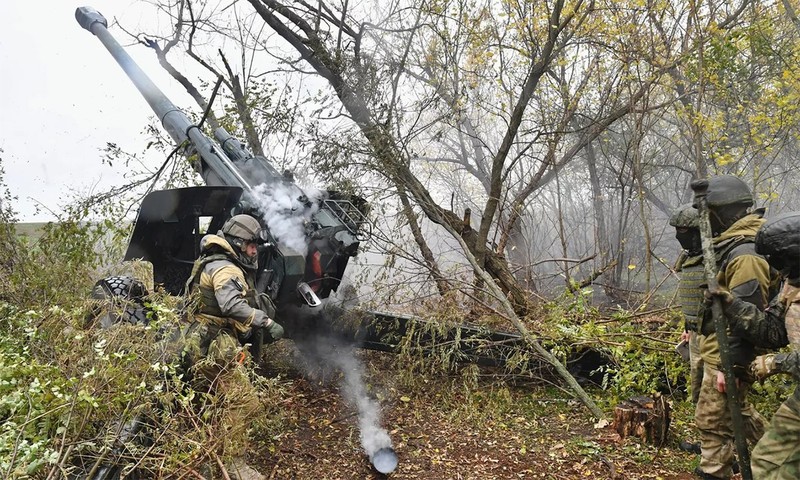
[(706, 476), (239, 470), (690, 447)]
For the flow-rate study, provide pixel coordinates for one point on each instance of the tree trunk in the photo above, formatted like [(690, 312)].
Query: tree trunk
[(645, 418), (430, 260)]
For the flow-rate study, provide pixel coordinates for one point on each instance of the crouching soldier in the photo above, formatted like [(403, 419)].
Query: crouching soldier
[(227, 311), (777, 454)]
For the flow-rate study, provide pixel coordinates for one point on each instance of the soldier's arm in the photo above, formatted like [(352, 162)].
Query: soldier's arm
[(787, 363), (229, 289), (748, 278), (766, 329)]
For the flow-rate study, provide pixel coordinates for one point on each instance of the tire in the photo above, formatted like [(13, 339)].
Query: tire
[(120, 299)]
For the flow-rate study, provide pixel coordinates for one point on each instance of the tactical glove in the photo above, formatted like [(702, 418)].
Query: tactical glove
[(725, 297), (763, 367), (275, 330)]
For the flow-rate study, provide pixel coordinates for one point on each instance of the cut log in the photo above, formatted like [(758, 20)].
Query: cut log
[(645, 418)]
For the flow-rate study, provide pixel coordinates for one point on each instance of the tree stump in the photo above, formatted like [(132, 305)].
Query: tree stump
[(645, 418)]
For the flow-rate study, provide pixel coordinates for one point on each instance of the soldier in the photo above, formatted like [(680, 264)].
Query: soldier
[(748, 276), (226, 313), (777, 454), (690, 265)]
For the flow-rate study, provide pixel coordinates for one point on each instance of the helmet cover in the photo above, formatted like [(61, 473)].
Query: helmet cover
[(243, 227), (685, 216), (726, 190)]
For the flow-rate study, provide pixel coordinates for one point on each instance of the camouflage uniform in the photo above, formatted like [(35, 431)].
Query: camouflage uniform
[(749, 277), (223, 317), (777, 454)]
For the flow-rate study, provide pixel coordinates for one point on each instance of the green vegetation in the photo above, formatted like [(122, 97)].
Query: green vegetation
[(68, 388), (30, 230)]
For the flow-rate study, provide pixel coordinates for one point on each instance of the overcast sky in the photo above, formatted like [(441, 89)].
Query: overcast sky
[(62, 97)]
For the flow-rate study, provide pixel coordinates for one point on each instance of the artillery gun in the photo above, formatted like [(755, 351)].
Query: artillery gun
[(297, 277), (170, 224)]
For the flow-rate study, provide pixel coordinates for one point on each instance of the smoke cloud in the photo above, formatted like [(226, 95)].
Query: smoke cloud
[(286, 210)]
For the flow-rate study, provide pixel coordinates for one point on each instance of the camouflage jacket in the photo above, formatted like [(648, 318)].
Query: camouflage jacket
[(226, 291), (776, 327), (765, 329)]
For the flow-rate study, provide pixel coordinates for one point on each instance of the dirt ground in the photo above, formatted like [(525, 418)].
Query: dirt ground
[(442, 430)]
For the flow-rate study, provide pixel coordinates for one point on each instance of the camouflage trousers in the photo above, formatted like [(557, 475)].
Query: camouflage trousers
[(713, 420), (777, 454), (695, 366), (228, 399)]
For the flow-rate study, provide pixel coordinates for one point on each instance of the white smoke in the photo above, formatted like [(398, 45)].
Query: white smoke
[(285, 212), (373, 436), (323, 354)]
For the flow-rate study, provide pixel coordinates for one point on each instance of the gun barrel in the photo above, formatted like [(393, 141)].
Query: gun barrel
[(176, 123)]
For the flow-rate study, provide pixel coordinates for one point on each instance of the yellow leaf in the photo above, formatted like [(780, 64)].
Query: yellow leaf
[(631, 266), (405, 399)]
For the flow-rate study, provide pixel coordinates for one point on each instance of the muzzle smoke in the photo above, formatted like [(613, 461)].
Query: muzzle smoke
[(287, 209), (373, 436)]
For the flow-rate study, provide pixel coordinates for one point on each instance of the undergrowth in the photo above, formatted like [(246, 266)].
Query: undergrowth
[(75, 398)]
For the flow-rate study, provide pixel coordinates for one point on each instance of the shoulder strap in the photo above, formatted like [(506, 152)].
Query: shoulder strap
[(723, 249), (198, 267)]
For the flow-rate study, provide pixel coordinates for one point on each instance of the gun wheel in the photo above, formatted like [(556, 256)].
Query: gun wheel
[(120, 298)]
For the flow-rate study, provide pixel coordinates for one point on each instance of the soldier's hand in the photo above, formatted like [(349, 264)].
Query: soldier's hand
[(763, 367), (720, 382), (275, 330), (716, 292), (721, 385)]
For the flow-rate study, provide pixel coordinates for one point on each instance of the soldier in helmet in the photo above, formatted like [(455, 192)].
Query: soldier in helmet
[(777, 454), (227, 313), (748, 276), (685, 219)]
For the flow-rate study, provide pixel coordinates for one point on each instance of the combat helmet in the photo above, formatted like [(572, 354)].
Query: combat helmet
[(729, 199), (724, 190), (778, 240), (686, 220), (685, 216), (240, 230)]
